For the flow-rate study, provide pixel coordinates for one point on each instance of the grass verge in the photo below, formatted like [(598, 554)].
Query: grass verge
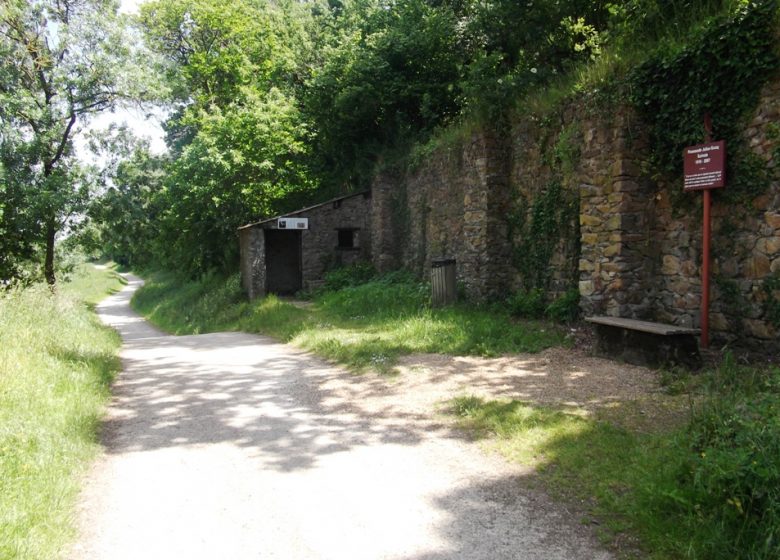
[(367, 326), (707, 490), (56, 363)]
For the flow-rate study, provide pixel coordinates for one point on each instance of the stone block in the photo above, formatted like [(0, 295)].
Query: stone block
[(769, 246), (623, 186), (758, 328), (718, 322), (679, 285), (586, 288), (613, 223), (728, 267), (758, 266), (670, 265), (612, 250), (589, 221), (625, 168), (689, 268), (588, 239), (685, 321), (773, 219), (761, 202)]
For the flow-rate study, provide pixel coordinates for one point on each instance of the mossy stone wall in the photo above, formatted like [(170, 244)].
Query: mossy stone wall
[(572, 199)]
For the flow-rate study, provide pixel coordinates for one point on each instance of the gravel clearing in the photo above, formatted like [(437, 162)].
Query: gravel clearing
[(232, 445)]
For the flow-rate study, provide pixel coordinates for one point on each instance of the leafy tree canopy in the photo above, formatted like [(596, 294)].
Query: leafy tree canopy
[(60, 63)]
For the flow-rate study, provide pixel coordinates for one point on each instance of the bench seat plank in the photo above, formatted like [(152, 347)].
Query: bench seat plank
[(643, 326)]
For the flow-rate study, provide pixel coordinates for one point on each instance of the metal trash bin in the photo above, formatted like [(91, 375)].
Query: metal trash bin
[(443, 282)]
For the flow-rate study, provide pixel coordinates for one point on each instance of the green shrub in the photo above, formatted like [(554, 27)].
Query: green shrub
[(180, 306), (388, 297), (349, 276), (528, 304), (566, 308), (733, 472)]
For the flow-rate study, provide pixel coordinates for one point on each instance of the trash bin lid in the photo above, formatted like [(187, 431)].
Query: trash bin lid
[(436, 263)]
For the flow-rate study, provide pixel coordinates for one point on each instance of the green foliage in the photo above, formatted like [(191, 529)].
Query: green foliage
[(527, 304), (61, 62), (719, 70), (239, 142), (732, 471), (243, 162), (56, 363), (730, 297), (707, 490), (615, 474), (349, 276), (566, 152), (539, 230), (126, 215), (533, 304), (566, 308), (381, 298), (367, 326), (388, 77), (516, 47), (210, 303)]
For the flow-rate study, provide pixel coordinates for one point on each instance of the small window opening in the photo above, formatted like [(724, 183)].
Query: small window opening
[(347, 238)]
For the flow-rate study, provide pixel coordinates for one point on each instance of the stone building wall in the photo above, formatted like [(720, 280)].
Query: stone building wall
[(452, 206), (320, 242), (320, 249), (642, 239), (252, 244), (616, 250)]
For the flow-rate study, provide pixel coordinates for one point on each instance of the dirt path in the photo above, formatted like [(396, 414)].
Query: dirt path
[(234, 446)]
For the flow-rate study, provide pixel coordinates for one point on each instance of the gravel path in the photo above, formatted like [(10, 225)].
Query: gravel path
[(231, 445)]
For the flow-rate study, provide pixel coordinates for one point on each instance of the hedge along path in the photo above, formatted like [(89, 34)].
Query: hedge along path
[(235, 446)]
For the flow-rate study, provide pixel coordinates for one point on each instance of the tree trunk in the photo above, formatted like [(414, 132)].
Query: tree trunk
[(48, 266)]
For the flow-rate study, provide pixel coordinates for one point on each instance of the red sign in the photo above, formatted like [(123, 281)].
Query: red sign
[(704, 166)]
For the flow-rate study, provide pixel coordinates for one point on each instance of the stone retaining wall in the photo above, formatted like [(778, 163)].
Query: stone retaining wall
[(635, 251), (454, 206)]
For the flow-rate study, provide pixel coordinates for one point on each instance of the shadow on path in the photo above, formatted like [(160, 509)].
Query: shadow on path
[(233, 445)]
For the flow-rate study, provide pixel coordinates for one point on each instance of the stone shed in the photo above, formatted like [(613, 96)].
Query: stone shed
[(292, 252)]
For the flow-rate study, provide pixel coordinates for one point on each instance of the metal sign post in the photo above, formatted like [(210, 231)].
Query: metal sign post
[(704, 168)]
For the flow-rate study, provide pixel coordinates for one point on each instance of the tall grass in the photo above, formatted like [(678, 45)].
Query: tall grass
[(367, 326), (56, 363), (212, 303)]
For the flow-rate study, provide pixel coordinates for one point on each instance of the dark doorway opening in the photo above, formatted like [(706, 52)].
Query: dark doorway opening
[(283, 262)]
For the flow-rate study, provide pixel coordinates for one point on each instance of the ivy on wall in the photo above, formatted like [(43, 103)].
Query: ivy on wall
[(721, 71), (541, 222), (538, 228)]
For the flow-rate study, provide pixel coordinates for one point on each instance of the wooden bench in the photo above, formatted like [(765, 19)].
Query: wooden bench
[(646, 343)]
